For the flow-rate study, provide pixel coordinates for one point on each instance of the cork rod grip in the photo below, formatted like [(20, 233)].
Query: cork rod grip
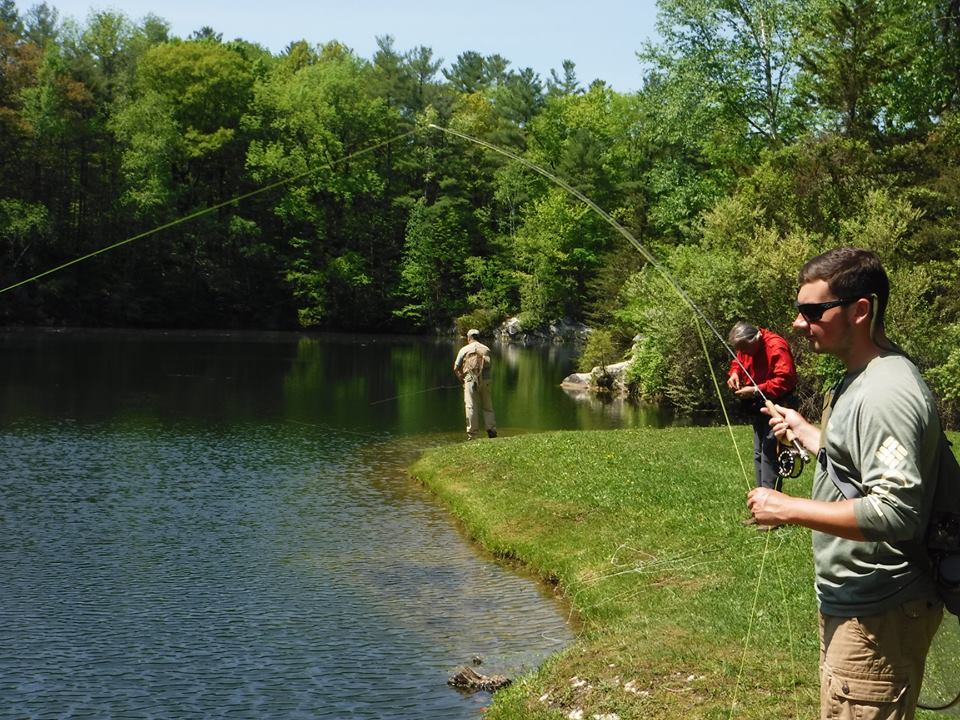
[(772, 409)]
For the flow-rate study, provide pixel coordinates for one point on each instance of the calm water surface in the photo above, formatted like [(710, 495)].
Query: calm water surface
[(220, 525)]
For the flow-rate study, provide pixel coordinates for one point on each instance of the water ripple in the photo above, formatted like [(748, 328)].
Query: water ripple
[(245, 571)]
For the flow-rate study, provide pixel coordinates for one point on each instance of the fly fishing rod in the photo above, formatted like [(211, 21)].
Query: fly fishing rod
[(800, 451), (415, 392)]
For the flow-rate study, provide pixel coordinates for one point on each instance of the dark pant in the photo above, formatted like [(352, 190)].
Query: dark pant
[(765, 454)]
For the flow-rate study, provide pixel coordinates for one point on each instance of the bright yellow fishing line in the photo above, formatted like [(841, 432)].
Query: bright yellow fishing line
[(208, 210), (723, 405), (766, 544), (753, 614), (793, 656)]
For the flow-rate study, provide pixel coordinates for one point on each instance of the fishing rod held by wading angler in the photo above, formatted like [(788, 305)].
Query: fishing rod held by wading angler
[(415, 392), (797, 452)]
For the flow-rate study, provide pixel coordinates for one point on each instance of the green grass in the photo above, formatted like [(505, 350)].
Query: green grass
[(640, 530)]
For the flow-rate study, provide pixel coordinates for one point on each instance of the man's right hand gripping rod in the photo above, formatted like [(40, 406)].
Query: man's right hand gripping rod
[(791, 438)]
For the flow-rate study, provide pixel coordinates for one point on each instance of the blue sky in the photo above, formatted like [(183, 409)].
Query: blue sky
[(600, 36)]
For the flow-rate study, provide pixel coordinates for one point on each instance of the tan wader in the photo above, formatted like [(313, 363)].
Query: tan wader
[(479, 406)]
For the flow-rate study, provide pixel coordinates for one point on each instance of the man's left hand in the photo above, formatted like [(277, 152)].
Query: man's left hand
[(767, 506)]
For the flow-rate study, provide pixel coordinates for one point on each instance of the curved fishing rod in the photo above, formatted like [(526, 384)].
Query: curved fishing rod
[(648, 256), (209, 209)]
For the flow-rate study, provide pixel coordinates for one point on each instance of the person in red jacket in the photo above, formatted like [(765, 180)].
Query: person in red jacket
[(765, 357)]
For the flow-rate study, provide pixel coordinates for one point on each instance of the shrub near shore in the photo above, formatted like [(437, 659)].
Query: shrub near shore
[(640, 530)]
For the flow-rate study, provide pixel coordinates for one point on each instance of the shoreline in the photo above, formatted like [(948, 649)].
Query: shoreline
[(659, 600), (682, 611)]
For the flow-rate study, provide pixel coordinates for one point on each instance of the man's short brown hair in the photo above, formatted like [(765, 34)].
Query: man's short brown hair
[(850, 273)]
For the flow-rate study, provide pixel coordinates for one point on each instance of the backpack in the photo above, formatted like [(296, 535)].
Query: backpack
[(943, 530), (473, 364)]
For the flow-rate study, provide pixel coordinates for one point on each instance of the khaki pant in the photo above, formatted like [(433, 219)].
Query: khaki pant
[(479, 407), (871, 666)]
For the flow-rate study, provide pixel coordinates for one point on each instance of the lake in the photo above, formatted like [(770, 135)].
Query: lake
[(222, 525)]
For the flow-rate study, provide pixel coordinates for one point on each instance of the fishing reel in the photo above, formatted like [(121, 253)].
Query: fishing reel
[(790, 462)]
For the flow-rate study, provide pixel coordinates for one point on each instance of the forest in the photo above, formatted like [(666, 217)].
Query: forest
[(307, 189)]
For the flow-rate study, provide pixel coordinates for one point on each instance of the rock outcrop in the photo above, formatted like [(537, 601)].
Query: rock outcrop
[(513, 331), (609, 379), (469, 679)]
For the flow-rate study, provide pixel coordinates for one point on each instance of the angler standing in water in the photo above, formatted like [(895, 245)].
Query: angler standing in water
[(762, 369), (877, 466), (472, 368)]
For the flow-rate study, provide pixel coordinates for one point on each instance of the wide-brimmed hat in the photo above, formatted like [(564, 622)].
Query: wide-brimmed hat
[(472, 332)]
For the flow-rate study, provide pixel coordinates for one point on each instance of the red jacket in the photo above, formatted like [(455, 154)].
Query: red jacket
[(771, 366)]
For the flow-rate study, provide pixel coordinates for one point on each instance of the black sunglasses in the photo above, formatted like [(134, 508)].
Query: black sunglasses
[(812, 312)]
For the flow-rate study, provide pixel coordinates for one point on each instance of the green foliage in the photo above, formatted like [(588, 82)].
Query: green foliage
[(433, 263), (519, 96), (21, 223), (812, 184), (153, 139), (741, 56), (556, 249), (483, 319), (752, 245), (869, 64), (471, 72), (945, 377), (491, 283), (208, 85), (764, 133), (600, 350), (307, 114), (670, 364), (307, 118)]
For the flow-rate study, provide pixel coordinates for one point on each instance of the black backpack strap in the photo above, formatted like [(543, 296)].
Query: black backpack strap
[(847, 488)]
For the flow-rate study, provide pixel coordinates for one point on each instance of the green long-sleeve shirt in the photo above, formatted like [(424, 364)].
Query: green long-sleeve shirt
[(883, 434)]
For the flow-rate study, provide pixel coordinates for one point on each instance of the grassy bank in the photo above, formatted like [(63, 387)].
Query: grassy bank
[(640, 530)]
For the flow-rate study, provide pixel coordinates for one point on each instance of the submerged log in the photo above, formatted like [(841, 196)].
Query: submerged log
[(470, 679)]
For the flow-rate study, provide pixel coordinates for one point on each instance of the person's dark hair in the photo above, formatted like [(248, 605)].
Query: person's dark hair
[(851, 273)]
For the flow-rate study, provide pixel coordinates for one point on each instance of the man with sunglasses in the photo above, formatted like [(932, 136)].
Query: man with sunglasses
[(881, 435)]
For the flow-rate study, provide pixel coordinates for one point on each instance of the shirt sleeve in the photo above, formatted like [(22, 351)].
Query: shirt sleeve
[(782, 371), (895, 447)]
